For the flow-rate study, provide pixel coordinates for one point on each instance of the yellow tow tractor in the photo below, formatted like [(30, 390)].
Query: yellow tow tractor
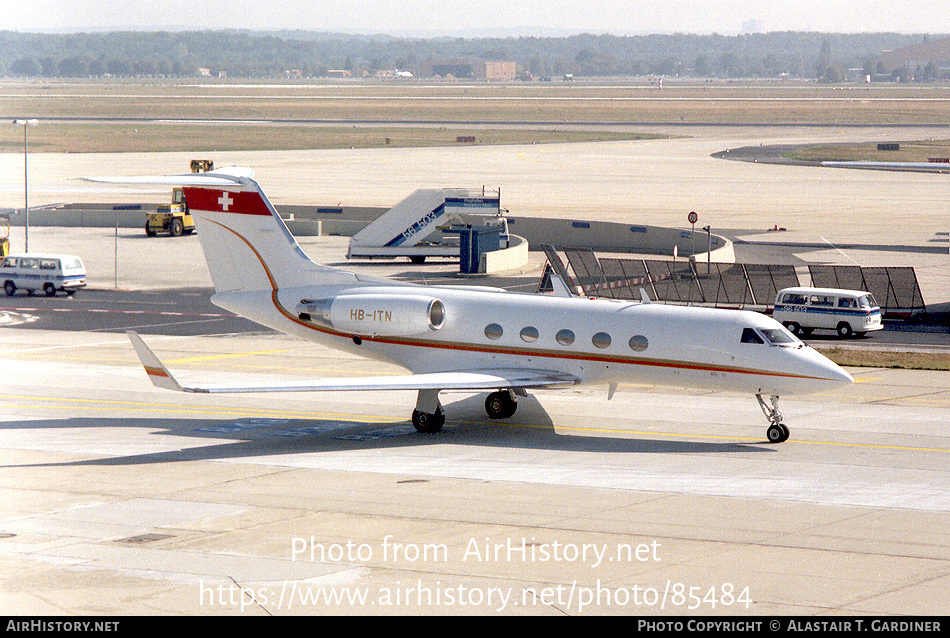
[(4, 235), (174, 218)]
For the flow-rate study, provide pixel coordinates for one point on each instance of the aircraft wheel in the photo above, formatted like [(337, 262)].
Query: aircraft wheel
[(500, 405), (777, 433), (426, 423)]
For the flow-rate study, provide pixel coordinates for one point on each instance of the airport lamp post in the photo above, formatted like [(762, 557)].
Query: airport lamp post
[(708, 230), (26, 197)]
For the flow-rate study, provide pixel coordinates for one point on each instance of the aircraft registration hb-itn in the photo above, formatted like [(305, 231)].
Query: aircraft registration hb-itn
[(473, 338)]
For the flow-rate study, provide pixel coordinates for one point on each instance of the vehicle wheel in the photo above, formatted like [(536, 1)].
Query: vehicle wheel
[(844, 329), (176, 228), (9, 288), (499, 405), (426, 423), (417, 259), (148, 230), (49, 289), (793, 327)]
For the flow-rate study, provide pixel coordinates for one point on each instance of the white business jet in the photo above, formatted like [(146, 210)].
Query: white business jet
[(475, 339)]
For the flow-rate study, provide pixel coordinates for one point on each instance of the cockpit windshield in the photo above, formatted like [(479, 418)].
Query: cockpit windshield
[(774, 336), (778, 336)]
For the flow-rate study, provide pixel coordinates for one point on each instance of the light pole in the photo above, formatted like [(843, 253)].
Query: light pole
[(26, 198), (708, 230)]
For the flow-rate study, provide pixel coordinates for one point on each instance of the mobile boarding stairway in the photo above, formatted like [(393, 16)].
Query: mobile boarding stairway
[(420, 225)]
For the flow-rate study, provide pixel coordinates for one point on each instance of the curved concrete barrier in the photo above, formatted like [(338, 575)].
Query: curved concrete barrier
[(510, 258)]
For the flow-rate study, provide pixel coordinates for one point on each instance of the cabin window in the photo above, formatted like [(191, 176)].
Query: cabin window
[(529, 334), (749, 335), (601, 340), (639, 343), (564, 337), (494, 331)]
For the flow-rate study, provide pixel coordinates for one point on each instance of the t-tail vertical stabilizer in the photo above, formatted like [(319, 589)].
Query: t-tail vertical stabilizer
[(251, 254)]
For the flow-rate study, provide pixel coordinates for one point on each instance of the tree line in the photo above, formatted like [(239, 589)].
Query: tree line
[(246, 54)]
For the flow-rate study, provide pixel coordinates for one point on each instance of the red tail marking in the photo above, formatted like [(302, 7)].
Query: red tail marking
[(224, 201)]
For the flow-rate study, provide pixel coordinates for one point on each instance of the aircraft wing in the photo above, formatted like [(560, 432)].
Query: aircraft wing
[(487, 379)]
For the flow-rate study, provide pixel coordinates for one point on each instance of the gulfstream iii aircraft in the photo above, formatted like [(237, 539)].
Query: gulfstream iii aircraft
[(474, 339)]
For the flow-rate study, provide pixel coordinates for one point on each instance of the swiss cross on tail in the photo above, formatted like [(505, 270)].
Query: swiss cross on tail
[(222, 201)]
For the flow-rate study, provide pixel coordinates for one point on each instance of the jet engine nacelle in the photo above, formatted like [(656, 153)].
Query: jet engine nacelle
[(384, 315)]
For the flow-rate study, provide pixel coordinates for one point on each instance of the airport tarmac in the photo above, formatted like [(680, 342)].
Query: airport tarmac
[(121, 499)]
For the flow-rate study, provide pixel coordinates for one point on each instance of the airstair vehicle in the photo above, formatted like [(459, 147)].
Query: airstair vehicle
[(420, 226)]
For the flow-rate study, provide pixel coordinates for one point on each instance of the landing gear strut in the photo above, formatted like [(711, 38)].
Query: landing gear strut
[(501, 404), (426, 423), (428, 417), (777, 431)]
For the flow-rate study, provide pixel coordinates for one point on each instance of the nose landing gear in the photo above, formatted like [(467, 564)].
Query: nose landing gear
[(777, 431)]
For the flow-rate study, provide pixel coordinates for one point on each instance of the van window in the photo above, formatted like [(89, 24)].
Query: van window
[(28, 263), (794, 298), (749, 335), (9, 262), (822, 300), (49, 264), (847, 302), (867, 301), (72, 263)]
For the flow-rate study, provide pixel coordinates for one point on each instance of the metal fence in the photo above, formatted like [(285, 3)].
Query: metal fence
[(894, 287), (724, 285)]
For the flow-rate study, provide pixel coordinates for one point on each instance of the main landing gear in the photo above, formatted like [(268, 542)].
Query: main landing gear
[(777, 431), (429, 416), (501, 404)]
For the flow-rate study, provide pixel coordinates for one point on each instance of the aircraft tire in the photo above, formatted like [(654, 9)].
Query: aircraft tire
[(499, 405), (777, 433), (426, 423)]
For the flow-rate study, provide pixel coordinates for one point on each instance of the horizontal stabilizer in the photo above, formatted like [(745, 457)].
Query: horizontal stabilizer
[(488, 379), (225, 176), (156, 370)]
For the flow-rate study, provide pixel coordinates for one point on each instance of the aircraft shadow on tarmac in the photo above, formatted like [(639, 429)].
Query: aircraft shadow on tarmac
[(466, 425)]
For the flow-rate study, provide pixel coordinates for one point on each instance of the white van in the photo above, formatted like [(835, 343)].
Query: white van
[(802, 310), (49, 273)]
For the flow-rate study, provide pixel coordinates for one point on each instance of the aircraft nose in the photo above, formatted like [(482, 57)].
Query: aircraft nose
[(835, 374)]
